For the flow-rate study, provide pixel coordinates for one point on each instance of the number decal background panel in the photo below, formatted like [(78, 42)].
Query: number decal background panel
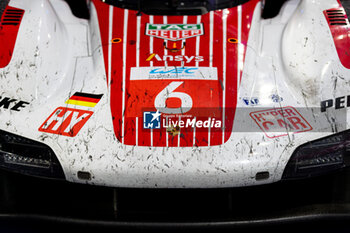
[(129, 98)]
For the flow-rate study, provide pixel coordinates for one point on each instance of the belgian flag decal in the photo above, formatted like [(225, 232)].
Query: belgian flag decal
[(84, 99)]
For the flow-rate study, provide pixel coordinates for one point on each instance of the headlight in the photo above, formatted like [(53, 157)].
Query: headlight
[(29, 157), (319, 156)]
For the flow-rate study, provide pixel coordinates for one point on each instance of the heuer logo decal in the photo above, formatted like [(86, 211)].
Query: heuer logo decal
[(184, 58), (174, 32), (278, 122), (65, 121), (151, 120)]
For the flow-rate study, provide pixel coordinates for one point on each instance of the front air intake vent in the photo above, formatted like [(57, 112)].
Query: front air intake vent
[(337, 17), (339, 27), (12, 17)]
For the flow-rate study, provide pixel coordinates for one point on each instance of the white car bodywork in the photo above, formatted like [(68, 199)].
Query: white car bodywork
[(292, 56)]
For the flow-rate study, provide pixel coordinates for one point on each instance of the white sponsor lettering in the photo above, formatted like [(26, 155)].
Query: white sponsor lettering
[(192, 123)]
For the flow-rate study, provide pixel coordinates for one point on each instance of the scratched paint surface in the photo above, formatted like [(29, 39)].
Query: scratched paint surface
[(130, 95), (292, 56)]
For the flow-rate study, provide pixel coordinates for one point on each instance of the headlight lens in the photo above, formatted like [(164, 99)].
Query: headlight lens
[(28, 157), (319, 156)]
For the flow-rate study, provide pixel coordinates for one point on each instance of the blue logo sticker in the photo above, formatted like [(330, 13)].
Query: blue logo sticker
[(180, 70), (276, 98), (251, 101), (151, 120)]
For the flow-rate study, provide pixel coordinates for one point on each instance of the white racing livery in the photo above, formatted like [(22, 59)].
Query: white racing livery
[(129, 98)]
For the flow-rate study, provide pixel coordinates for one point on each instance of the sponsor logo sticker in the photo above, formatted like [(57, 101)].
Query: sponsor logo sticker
[(180, 58), (174, 32), (171, 122), (276, 98), (66, 121), (194, 73), (337, 103), (12, 104), (174, 123), (255, 101), (84, 99), (278, 122), (151, 120), (69, 121), (251, 101)]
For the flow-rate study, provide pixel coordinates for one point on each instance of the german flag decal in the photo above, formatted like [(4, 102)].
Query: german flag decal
[(84, 99)]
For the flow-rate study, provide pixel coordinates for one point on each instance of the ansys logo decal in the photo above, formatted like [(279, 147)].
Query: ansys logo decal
[(174, 32)]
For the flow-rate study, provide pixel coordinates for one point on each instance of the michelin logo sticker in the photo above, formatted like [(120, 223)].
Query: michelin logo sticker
[(151, 120)]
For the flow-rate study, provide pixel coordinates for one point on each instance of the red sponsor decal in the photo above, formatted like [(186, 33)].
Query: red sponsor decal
[(65, 121), (275, 122), (174, 32), (174, 35)]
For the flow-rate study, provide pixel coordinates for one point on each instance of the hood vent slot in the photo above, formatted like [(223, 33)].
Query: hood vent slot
[(12, 17), (337, 17)]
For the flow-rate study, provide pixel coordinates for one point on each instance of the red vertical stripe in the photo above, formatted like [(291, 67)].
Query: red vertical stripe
[(158, 47), (186, 136), (117, 72), (216, 134), (190, 49), (205, 41), (170, 44), (231, 72), (144, 42), (130, 122), (102, 10), (173, 139), (201, 136), (144, 135), (247, 17), (159, 135)]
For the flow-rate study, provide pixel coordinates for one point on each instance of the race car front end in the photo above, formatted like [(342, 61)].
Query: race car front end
[(131, 98)]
